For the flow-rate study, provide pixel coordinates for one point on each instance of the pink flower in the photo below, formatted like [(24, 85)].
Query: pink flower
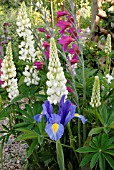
[(62, 13), (0, 62), (63, 25), (69, 89), (72, 31), (45, 44), (1, 82), (47, 36), (74, 59), (65, 41), (70, 19), (6, 24), (47, 54), (41, 29), (74, 49), (39, 65)]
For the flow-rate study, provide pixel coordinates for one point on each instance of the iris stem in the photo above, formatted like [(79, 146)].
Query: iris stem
[(55, 142), (72, 144)]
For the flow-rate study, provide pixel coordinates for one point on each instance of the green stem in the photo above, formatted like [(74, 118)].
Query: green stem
[(72, 144), (52, 16)]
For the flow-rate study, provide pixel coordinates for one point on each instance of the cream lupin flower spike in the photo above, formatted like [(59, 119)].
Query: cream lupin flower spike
[(56, 80), (95, 99)]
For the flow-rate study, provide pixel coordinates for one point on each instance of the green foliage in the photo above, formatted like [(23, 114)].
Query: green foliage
[(98, 152)]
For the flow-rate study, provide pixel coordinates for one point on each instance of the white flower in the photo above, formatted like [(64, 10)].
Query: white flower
[(9, 73), (109, 78), (31, 75), (27, 51), (56, 79)]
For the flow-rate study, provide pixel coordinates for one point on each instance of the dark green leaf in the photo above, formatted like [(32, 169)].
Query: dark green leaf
[(109, 160), (60, 155), (101, 162), (86, 149), (95, 131), (86, 159), (94, 160), (110, 152), (16, 99), (32, 147), (26, 136)]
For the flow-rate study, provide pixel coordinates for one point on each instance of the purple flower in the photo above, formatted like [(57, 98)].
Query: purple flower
[(6, 24), (56, 122), (45, 44), (63, 25), (42, 29), (47, 36), (65, 41), (69, 89), (62, 13), (39, 65), (72, 31)]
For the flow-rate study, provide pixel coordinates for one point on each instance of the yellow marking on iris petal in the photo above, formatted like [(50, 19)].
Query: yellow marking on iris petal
[(55, 127), (76, 114)]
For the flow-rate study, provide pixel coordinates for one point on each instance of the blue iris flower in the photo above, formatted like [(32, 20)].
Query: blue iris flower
[(56, 122)]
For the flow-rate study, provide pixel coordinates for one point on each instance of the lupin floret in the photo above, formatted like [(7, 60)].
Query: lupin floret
[(31, 76), (9, 74), (95, 99), (56, 80)]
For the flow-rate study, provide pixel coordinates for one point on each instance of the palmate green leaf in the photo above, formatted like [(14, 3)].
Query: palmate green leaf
[(27, 136), (27, 115), (111, 140), (5, 112), (110, 152), (109, 160), (104, 141), (111, 126), (86, 149), (94, 159), (26, 130), (101, 162), (16, 99), (86, 159), (96, 131), (32, 147), (60, 155), (111, 147), (21, 124)]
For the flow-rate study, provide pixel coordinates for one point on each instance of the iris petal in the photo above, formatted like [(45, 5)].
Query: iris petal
[(54, 131), (81, 117), (70, 115), (38, 117)]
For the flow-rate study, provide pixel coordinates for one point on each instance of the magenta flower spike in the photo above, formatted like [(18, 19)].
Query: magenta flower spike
[(47, 36), (39, 65), (62, 13), (69, 89), (42, 29), (65, 41), (63, 25), (45, 44)]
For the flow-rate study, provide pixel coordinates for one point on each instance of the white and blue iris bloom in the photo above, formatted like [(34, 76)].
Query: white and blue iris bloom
[(56, 122)]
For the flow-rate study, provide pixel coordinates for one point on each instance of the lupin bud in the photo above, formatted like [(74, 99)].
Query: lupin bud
[(108, 51), (56, 80), (95, 99)]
